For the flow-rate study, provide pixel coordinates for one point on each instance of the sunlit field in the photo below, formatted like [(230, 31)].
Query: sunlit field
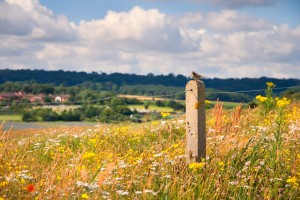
[(152, 108), (17, 118), (251, 154)]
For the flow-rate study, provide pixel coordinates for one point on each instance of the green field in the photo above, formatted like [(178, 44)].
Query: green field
[(226, 104), (16, 118), (152, 108)]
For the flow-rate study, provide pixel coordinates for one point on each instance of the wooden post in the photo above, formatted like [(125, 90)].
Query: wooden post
[(195, 121)]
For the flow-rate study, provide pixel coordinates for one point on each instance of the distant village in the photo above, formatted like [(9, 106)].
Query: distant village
[(32, 98)]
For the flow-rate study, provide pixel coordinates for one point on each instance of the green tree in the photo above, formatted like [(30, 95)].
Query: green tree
[(47, 99), (71, 115), (124, 110), (146, 105), (29, 116), (49, 115)]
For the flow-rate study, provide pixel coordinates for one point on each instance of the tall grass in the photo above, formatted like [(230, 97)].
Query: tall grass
[(250, 155)]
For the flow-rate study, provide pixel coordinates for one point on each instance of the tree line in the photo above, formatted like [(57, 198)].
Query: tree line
[(59, 82), (117, 80)]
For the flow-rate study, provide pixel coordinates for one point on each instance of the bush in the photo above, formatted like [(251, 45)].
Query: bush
[(90, 111), (175, 105), (49, 115), (159, 103), (29, 116), (124, 110), (71, 115)]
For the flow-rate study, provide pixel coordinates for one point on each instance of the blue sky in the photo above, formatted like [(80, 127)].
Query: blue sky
[(233, 38), (79, 10), (279, 12)]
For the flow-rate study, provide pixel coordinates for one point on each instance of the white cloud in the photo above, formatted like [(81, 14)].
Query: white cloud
[(229, 20), (139, 29), (217, 44), (14, 21), (31, 18)]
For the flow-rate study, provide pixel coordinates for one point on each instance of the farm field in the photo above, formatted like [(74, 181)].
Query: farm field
[(228, 105), (141, 97), (16, 125), (16, 118), (251, 154), (152, 108), (148, 98)]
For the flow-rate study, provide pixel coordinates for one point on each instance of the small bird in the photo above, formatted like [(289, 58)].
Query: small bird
[(196, 76)]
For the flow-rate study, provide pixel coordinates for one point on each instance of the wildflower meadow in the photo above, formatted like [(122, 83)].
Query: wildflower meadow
[(251, 154)]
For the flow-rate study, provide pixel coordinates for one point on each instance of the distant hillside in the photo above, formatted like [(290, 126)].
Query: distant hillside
[(68, 78), (74, 78), (133, 84)]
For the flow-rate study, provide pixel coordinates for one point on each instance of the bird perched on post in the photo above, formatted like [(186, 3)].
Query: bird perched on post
[(196, 76)]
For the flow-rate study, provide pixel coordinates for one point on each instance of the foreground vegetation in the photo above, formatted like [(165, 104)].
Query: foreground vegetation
[(251, 154)]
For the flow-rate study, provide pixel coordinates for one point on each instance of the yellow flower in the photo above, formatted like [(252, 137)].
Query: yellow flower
[(61, 149), (155, 122), (4, 183), (292, 180), (270, 84), (92, 141), (221, 165), (82, 167), (88, 155), (261, 98), (1, 198), (165, 114), (207, 102), (283, 102), (196, 166), (85, 196)]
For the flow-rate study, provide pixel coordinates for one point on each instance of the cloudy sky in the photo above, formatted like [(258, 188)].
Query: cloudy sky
[(217, 38)]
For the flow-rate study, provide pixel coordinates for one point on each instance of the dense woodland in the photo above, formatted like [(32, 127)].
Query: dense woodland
[(135, 84), (68, 78)]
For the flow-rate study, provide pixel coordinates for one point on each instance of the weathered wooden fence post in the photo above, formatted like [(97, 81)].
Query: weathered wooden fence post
[(195, 121)]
